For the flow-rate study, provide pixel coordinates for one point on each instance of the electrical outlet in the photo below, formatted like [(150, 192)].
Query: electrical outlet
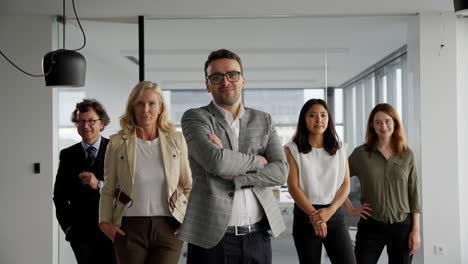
[(439, 249)]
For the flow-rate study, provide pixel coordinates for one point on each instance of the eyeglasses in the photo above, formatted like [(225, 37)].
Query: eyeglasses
[(90, 122), (217, 78)]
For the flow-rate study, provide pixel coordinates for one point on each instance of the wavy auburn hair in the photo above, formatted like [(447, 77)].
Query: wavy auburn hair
[(398, 140)]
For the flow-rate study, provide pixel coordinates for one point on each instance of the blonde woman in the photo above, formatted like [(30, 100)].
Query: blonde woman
[(147, 182)]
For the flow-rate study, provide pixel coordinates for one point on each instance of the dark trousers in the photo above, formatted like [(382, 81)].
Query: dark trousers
[(337, 243), (372, 236), (253, 248), (148, 240), (94, 250)]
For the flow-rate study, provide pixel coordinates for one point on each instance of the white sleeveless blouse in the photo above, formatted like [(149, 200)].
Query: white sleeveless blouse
[(320, 175)]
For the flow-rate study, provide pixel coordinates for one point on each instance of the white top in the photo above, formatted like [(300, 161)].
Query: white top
[(149, 186), (246, 209), (320, 175)]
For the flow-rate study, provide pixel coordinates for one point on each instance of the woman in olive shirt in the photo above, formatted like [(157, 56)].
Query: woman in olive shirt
[(385, 166)]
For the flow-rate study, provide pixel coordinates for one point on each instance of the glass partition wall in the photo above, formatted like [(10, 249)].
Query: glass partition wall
[(351, 62)]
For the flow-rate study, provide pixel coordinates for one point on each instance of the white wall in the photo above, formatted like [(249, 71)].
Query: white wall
[(462, 122), (440, 154), (26, 136), (412, 112)]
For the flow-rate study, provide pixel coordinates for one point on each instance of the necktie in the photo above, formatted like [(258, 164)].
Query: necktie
[(91, 158)]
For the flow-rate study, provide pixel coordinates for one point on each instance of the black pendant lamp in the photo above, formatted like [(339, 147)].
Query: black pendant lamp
[(461, 7), (64, 67)]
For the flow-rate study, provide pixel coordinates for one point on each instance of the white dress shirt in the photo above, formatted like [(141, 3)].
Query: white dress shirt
[(246, 209)]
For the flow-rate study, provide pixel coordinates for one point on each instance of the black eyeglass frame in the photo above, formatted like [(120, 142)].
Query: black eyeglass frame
[(239, 74)]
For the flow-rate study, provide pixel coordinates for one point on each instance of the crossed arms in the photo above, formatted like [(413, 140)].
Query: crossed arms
[(247, 170)]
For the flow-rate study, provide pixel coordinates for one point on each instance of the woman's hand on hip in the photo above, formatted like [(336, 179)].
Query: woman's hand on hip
[(364, 211)]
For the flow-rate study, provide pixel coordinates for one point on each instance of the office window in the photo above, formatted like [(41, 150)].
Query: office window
[(338, 106), (337, 111), (284, 105), (183, 100), (384, 84), (398, 87), (314, 93), (67, 99)]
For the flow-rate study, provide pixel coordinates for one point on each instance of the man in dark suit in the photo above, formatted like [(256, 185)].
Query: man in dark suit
[(236, 157), (79, 179)]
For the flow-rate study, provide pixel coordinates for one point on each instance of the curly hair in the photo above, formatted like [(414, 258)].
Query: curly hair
[(128, 122), (87, 105)]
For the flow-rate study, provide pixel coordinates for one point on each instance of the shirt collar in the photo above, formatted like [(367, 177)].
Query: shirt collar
[(228, 115), (96, 145)]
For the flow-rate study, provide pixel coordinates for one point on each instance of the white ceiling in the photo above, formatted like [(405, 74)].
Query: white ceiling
[(276, 53), (204, 8), (282, 43)]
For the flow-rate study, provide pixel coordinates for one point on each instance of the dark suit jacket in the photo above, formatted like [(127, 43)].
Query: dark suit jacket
[(77, 205)]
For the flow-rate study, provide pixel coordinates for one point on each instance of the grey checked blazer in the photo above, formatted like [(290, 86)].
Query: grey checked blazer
[(210, 203)]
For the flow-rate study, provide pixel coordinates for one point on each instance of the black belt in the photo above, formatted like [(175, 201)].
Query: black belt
[(245, 229)]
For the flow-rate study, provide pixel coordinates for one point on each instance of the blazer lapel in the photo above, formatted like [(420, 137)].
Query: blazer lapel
[(80, 152), (100, 154), (222, 121), (80, 162), (130, 145), (242, 127), (165, 142)]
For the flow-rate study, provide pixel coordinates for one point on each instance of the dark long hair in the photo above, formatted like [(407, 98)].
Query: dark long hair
[(331, 141)]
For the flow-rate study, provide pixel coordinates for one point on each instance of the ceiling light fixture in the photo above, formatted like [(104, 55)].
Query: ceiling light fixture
[(61, 67), (461, 7), (64, 67)]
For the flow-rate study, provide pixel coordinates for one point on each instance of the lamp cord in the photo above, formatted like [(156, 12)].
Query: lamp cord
[(50, 68), (30, 74), (79, 24), (63, 25)]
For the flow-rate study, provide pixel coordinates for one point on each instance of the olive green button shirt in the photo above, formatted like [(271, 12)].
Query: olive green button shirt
[(389, 186)]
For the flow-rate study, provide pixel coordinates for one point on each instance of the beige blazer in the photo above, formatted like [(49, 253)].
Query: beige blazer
[(119, 170)]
